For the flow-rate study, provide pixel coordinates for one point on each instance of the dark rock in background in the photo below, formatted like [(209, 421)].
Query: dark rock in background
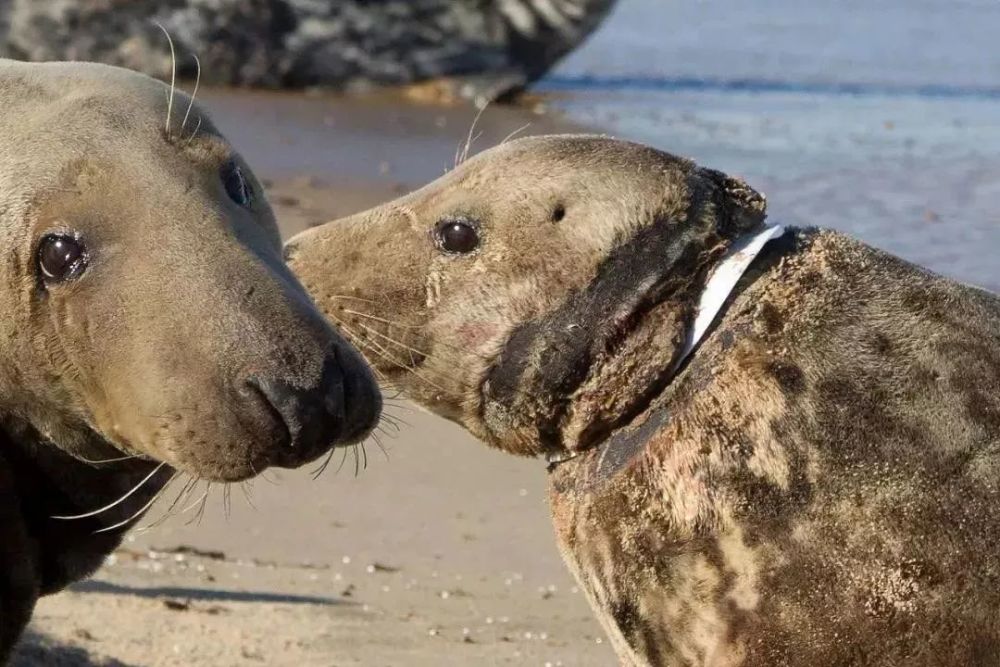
[(488, 48)]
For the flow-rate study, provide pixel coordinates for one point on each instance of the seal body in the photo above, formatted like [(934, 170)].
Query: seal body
[(487, 49), (815, 485), (818, 487), (150, 330)]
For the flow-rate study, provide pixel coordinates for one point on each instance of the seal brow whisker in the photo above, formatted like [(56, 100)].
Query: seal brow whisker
[(141, 510), (464, 153), (194, 134), (514, 134), (125, 497), (173, 74), (194, 93)]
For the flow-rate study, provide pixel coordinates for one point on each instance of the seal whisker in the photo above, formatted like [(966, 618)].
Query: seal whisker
[(322, 468), (343, 459), (470, 139), (114, 460), (173, 75), (194, 134), (208, 487), (408, 347), (201, 507), (227, 503), (378, 442), (194, 93), (426, 368), (514, 134), (117, 502), (393, 423), (372, 346), (369, 316), (142, 510), (247, 488), (184, 492), (351, 298)]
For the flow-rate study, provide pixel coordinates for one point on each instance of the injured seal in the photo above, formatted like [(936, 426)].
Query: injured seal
[(150, 329), (765, 447)]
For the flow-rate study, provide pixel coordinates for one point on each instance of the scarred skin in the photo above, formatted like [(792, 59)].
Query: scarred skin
[(184, 346), (818, 485)]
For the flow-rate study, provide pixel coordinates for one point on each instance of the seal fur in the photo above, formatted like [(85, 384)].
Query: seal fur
[(183, 346), (816, 485)]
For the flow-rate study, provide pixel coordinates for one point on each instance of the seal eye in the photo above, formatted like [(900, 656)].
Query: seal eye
[(457, 236), (61, 257), (236, 184)]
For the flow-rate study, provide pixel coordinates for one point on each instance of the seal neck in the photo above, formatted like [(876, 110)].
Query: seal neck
[(718, 288)]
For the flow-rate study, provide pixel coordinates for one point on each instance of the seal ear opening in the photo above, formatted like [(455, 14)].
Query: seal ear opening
[(741, 207)]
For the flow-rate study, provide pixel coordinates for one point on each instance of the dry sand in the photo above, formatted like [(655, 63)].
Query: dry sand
[(439, 552)]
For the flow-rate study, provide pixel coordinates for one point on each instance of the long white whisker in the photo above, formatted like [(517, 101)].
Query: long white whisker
[(142, 510), (117, 502), (194, 134), (186, 489), (194, 94), (514, 133), (468, 141), (114, 460), (173, 74)]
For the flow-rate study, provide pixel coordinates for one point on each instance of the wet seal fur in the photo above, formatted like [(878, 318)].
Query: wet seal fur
[(179, 344), (817, 485)]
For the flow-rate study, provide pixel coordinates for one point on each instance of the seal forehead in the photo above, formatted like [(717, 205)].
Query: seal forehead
[(42, 103)]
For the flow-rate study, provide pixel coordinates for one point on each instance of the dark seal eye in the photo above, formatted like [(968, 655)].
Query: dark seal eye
[(457, 236), (61, 257), (236, 184)]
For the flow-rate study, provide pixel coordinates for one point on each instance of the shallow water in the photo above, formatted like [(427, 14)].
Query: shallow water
[(881, 118)]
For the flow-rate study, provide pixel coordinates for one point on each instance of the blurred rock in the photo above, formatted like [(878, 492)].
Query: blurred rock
[(484, 49)]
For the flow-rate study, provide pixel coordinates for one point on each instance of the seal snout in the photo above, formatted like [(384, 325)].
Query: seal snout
[(339, 408)]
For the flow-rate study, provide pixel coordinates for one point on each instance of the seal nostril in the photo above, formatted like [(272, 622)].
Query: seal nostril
[(264, 397), (312, 414)]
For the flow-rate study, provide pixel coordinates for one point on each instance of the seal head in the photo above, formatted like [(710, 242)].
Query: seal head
[(528, 278), (147, 309)]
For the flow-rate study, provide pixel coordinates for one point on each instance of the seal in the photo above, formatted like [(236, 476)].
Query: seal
[(151, 331), (477, 49), (764, 448)]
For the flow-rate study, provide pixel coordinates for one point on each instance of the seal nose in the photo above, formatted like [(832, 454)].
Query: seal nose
[(319, 416)]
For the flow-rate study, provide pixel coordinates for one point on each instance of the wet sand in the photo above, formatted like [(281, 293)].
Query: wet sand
[(438, 552)]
